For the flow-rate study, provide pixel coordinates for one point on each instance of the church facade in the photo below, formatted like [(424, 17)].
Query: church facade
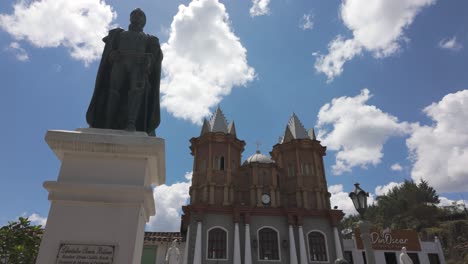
[(266, 209)]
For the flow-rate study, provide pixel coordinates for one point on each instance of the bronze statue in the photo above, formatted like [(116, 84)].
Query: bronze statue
[(126, 93)]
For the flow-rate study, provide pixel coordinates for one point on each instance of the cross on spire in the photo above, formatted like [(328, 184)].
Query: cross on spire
[(258, 144)]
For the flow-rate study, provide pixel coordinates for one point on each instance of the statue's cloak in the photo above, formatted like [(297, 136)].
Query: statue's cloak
[(149, 116)]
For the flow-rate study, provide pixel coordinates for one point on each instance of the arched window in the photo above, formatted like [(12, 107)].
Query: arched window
[(306, 168), (221, 163), (317, 246), (217, 243), (268, 244)]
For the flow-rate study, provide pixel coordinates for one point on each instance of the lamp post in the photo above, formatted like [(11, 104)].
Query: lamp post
[(359, 198)]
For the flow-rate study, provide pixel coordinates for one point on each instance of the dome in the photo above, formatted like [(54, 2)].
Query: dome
[(259, 158)]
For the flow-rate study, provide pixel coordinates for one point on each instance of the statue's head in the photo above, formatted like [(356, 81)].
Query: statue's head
[(403, 249), (138, 18)]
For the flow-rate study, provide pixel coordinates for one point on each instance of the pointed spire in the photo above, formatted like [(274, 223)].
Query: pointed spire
[(288, 136), (218, 122), (205, 127), (311, 134), (294, 129), (232, 128)]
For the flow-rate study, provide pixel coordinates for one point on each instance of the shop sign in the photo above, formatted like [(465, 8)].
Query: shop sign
[(391, 239)]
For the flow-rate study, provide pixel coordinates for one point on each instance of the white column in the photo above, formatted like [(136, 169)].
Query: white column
[(292, 247), (187, 244), (441, 252), (197, 258), (364, 226), (248, 252), (237, 254), (302, 247), (339, 250)]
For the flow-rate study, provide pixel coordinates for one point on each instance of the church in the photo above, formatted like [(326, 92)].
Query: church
[(265, 209)]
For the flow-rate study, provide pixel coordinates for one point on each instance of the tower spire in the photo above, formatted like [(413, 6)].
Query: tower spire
[(294, 129), (218, 123)]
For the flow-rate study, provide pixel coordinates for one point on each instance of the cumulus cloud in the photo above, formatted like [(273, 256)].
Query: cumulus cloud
[(444, 201), (78, 26), (306, 22), (450, 44), (341, 199), (169, 200), (37, 219), (396, 167), (203, 61), (18, 51), (440, 150), (259, 8), (377, 26), (384, 189), (339, 52), (356, 130)]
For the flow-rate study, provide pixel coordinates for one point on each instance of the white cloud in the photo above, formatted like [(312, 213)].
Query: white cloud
[(341, 199), (358, 131), (37, 219), (339, 52), (306, 22), (396, 167), (259, 8), (440, 150), (18, 51), (78, 26), (444, 201), (377, 26), (384, 189), (450, 44), (203, 60), (169, 200)]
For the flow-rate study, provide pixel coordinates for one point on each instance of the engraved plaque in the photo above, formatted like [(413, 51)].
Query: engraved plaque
[(85, 254)]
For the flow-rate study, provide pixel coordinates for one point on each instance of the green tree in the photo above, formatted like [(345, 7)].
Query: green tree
[(408, 206), (19, 242)]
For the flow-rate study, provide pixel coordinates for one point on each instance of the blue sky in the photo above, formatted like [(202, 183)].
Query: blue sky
[(382, 82)]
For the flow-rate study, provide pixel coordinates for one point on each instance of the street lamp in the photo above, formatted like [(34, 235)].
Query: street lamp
[(359, 198)]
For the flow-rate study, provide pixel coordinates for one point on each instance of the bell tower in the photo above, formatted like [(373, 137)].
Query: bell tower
[(217, 155), (300, 157), (263, 209)]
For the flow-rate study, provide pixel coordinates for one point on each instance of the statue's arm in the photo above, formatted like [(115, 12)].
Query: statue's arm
[(155, 48)]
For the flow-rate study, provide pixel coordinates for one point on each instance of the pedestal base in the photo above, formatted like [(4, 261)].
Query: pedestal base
[(103, 195)]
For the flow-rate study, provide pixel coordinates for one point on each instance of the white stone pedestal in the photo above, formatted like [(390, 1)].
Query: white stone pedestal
[(102, 197)]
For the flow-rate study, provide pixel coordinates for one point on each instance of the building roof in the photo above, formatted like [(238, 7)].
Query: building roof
[(258, 158), (218, 123)]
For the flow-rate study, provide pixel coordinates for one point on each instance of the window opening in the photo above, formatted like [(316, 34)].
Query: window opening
[(317, 247), (221, 163), (269, 248), (217, 244)]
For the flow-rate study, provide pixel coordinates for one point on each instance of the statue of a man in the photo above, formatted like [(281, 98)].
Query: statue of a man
[(404, 258), (126, 93), (173, 254)]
